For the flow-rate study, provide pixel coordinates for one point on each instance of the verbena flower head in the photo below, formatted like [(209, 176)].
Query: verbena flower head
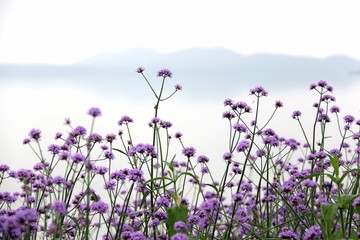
[(229, 115), (258, 91), (356, 202), (189, 151), (125, 120), (99, 206), (78, 157), (94, 112), (278, 104), (35, 134), (334, 109), (240, 127), (243, 145), (178, 135), (296, 114), (180, 225), (202, 159), (110, 137), (164, 73), (227, 156), (314, 232), (78, 131), (140, 69), (178, 87), (54, 149), (59, 207), (349, 119), (179, 236), (145, 149)]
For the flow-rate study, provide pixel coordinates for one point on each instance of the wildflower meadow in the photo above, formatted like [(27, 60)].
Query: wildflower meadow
[(271, 187)]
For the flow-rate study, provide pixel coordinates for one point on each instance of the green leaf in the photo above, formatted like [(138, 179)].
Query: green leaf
[(346, 200), (121, 151), (346, 173), (328, 216), (175, 214), (171, 164), (334, 160)]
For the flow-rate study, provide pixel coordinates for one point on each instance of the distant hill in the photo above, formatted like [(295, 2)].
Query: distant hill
[(201, 71)]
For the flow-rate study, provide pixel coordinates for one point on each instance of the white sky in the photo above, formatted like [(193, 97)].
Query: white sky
[(68, 30)]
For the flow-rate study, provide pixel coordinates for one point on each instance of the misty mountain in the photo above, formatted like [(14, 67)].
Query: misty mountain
[(201, 71)]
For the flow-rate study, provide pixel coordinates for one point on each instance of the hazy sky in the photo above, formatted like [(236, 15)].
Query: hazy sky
[(68, 30)]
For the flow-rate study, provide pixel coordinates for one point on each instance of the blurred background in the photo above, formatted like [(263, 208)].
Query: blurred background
[(59, 58)]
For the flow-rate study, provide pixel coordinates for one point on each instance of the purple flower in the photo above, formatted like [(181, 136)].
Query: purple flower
[(165, 124), (35, 134), (312, 86), (54, 149), (125, 119), (228, 102), (140, 69), (95, 137), (59, 207), (202, 159), (101, 170), (356, 202), (58, 135), (4, 168), (109, 155), (193, 219), (135, 174), (278, 104), (110, 137), (164, 73), (120, 175), (145, 149), (26, 141), (243, 145), (288, 234), (99, 206), (322, 83), (296, 114), (180, 225), (349, 119), (179, 236), (189, 151), (64, 155), (161, 215), (110, 185), (314, 232), (227, 156), (334, 109), (309, 183), (229, 115), (137, 236), (178, 87), (163, 202), (240, 127), (236, 197), (328, 98), (258, 91), (271, 140), (178, 135), (292, 143), (78, 157), (94, 111), (78, 131)]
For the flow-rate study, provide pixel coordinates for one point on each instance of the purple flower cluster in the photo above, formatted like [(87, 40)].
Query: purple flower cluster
[(189, 151), (23, 220), (164, 73), (143, 149), (271, 187)]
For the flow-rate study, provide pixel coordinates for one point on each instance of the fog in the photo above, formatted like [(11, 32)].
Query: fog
[(25, 106)]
